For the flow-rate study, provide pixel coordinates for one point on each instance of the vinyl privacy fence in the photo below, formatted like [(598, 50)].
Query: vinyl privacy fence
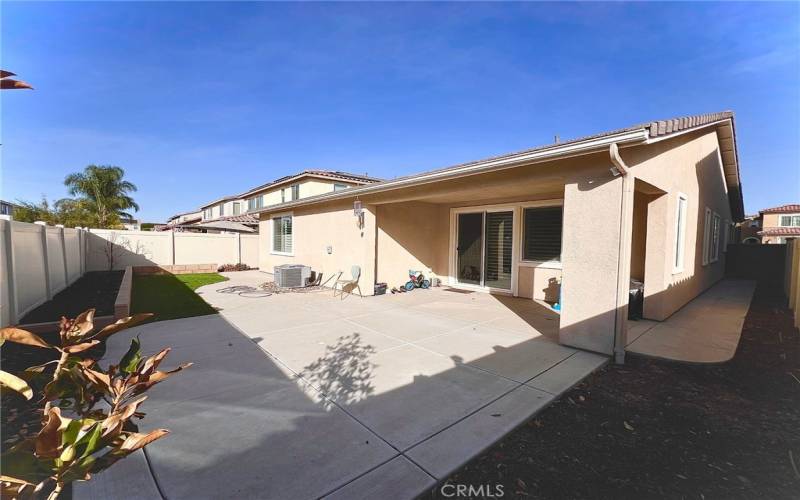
[(38, 261)]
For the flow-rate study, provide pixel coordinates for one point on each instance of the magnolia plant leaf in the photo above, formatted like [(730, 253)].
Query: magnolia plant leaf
[(136, 440), (123, 324), (16, 384), (77, 328), (72, 349), (21, 336), (131, 359), (48, 441)]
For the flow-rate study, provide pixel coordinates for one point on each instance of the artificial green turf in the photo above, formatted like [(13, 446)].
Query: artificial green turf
[(171, 296)]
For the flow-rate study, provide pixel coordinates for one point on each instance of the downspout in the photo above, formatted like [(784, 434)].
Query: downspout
[(624, 263)]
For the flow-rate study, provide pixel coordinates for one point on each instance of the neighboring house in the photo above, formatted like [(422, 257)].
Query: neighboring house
[(303, 185), (747, 230), (780, 224), (233, 213), (7, 208), (182, 221), (654, 202), (130, 224)]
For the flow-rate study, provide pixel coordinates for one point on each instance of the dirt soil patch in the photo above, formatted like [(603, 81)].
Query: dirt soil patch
[(660, 429), (96, 289)]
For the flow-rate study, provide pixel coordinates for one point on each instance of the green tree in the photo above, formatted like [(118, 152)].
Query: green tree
[(67, 211), (106, 193), (29, 211)]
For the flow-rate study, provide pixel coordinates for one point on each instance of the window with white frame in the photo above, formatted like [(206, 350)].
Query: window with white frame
[(282, 234), (715, 232), (221, 209), (255, 203), (706, 236), (295, 191), (541, 237), (339, 187), (680, 232), (237, 209), (207, 213), (790, 220)]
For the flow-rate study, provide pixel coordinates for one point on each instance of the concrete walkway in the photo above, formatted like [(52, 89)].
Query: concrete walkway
[(305, 396), (706, 330)]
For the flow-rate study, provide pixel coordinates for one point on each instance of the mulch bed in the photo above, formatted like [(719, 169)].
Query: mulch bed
[(96, 289), (660, 429)]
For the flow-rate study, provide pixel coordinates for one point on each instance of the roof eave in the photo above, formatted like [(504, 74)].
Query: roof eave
[(556, 151)]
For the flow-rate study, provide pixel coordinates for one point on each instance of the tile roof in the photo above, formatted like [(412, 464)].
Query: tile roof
[(783, 209), (780, 231), (653, 130), (332, 174), (243, 218)]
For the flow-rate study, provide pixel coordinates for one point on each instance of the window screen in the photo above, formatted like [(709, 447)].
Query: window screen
[(542, 234)]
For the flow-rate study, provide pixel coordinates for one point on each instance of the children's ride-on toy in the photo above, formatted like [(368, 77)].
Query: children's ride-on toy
[(416, 280)]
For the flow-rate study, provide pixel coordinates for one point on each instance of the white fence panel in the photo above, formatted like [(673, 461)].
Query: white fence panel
[(37, 261), (72, 247), (199, 248), (108, 249), (55, 260), (250, 249), (30, 264)]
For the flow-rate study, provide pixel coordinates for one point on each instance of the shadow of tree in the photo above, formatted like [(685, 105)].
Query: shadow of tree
[(343, 373)]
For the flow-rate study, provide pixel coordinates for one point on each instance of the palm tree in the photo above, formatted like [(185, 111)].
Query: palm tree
[(105, 191)]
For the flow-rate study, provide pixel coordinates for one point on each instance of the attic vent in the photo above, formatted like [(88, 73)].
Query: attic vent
[(291, 275)]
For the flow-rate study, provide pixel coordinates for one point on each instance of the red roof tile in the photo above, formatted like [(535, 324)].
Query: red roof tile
[(783, 209), (780, 231)]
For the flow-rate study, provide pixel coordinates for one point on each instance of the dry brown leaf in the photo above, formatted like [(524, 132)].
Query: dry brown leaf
[(21, 336)]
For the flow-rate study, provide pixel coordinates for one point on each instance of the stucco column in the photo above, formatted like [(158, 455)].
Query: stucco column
[(590, 256), (369, 239)]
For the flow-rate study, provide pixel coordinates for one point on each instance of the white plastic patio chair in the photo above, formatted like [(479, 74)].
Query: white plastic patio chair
[(355, 274)]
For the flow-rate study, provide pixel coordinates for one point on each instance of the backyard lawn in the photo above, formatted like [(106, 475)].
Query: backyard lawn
[(171, 296)]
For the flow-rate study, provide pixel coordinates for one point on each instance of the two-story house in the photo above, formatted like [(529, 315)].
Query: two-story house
[(780, 224), (234, 213)]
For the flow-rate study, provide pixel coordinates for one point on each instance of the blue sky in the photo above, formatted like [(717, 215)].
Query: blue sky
[(200, 100)]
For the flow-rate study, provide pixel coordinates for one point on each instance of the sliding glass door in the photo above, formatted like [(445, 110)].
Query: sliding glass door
[(484, 248), (470, 248)]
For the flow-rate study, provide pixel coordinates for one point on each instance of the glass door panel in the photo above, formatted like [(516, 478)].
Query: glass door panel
[(497, 257), (469, 249)]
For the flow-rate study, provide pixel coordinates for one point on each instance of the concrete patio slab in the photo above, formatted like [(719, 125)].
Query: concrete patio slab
[(300, 395), (513, 355), (261, 441), (706, 330), (568, 372), (446, 451), (129, 479), (397, 479), (407, 326), (415, 393)]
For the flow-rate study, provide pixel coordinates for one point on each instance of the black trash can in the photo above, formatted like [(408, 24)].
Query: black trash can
[(636, 300)]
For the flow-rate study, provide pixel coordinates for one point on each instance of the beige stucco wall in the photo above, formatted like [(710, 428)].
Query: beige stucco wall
[(688, 164), (540, 283), (412, 235), (316, 228)]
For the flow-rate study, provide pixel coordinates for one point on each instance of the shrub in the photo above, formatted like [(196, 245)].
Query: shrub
[(233, 267), (100, 403)]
